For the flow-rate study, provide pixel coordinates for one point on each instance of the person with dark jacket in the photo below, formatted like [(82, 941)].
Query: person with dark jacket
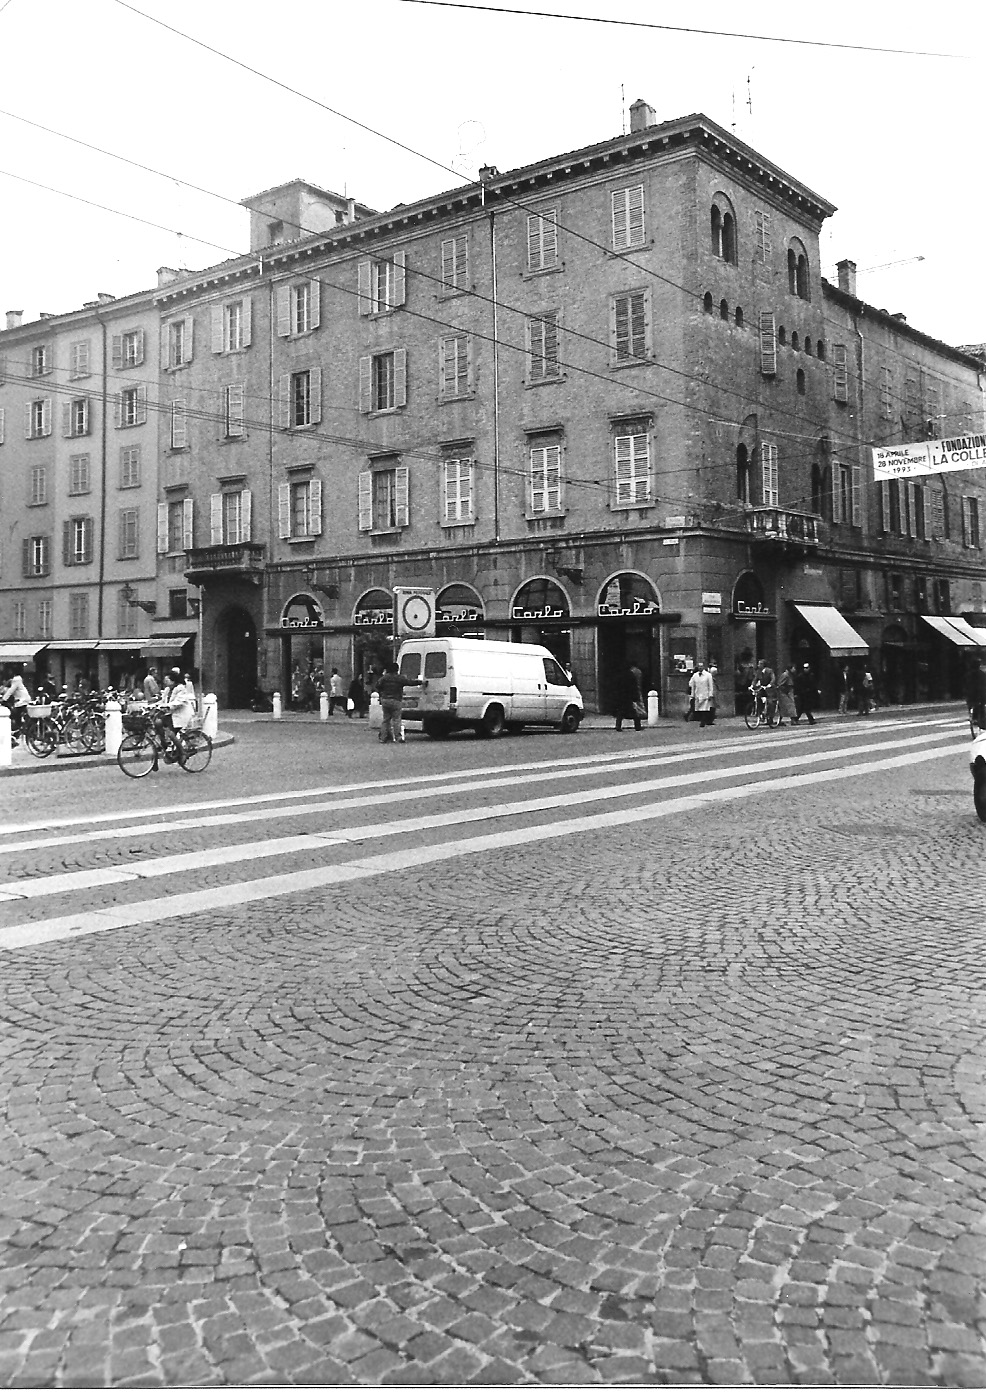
[(805, 694), (390, 688), (630, 696), (358, 700)]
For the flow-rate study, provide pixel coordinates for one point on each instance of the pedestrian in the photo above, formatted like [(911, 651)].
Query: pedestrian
[(337, 695), (866, 686), (701, 687), (630, 696), (150, 688), (714, 674), (390, 689), (17, 697), (805, 693), (785, 696), (845, 685), (357, 700)]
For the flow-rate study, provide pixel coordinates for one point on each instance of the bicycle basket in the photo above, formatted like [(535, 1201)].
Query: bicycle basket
[(38, 712), (137, 724)]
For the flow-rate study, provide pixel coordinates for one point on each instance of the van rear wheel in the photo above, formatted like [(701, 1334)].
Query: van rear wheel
[(979, 794), (492, 724), (435, 730), (571, 720)]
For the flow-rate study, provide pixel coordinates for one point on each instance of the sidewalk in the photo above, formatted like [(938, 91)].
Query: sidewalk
[(24, 762)]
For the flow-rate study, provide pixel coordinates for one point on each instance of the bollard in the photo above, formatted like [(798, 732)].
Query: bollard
[(210, 715), (323, 705), (276, 705), (113, 722), (5, 750), (375, 715), (653, 708)]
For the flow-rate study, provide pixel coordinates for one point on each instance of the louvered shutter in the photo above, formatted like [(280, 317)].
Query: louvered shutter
[(67, 419), (165, 347), (768, 472), (315, 506), (26, 557), (84, 412), (218, 316), (46, 416), (624, 470), (966, 523), (28, 421), (840, 372), (118, 409), (246, 515), (2, 418), (246, 322), (187, 523), (216, 519), (67, 557), (87, 539), (768, 343), (283, 298), (366, 384), (401, 486), (621, 326), (141, 406), (284, 510), (140, 348), (885, 505), (856, 516), (314, 395), (178, 430), (364, 287), (118, 350), (400, 376), (315, 304), (234, 408), (442, 383), (188, 342), (284, 394), (162, 529), (365, 500), (837, 493), (635, 215), (620, 219), (400, 278)]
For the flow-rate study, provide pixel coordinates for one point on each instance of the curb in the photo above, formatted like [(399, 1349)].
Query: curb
[(54, 764)]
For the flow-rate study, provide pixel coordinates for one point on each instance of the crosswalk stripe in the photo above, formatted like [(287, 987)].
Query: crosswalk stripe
[(226, 896)]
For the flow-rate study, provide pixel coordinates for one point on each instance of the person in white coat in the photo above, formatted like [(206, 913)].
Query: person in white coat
[(701, 689)]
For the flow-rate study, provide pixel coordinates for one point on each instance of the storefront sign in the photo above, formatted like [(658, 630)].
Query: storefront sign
[(676, 521), (518, 612), (930, 457), (743, 608), (301, 623), (626, 611), (460, 613), (374, 617)]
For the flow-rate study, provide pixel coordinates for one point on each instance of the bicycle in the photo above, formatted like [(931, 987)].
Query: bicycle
[(49, 724), (144, 744), (976, 726), (763, 709)]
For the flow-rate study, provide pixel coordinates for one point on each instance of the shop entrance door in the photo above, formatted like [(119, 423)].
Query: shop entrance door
[(623, 645), (241, 659)]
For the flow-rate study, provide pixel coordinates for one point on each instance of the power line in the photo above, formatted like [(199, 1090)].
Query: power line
[(678, 28)]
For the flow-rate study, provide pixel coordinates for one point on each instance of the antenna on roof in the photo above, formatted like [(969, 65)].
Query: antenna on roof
[(623, 107)]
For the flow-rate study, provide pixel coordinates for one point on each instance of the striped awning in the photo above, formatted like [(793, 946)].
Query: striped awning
[(947, 629), (839, 637)]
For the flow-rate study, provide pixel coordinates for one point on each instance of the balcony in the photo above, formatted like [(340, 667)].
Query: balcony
[(244, 561), (783, 529)]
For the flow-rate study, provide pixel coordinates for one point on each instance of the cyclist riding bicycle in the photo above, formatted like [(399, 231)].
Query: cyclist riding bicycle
[(175, 713)]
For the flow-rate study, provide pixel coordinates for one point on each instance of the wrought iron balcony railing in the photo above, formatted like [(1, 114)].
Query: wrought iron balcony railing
[(782, 526)]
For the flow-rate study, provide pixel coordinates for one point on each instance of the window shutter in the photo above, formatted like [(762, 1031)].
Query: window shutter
[(365, 501), (121, 538), (283, 298), (365, 384), (635, 214), (884, 505), (620, 218), (141, 416), (840, 376), (165, 348), (624, 470), (118, 350), (66, 543), (118, 409), (768, 469), (85, 416), (400, 376), (179, 433), (401, 476), (246, 515), (140, 347), (46, 416), (315, 304), (246, 321), (216, 519), (363, 281), (187, 523), (284, 510), (67, 419), (87, 539), (3, 368), (856, 495), (284, 393), (315, 506), (314, 395), (218, 314), (837, 493), (966, 522), (162, 529), (234, 408), (26, 557), (442, 386), (768, 343), (400, 277), (28, 421), (188, 345), (2, 416)]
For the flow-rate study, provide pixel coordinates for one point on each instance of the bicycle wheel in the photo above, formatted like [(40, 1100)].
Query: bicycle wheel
[(194, 751), (773, 715), (93, 731), (41, 737), (137, 755), (72, 735), (752, 715)]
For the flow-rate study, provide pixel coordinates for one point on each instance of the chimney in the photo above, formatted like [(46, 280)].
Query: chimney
[(166, 275), (14, 317), (642, 115), (103, 298), (350, 209), (847, 276), (902, 318)]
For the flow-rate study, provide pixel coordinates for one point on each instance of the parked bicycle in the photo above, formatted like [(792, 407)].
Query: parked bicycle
[(763, 708), (145, 744), (48, 725)]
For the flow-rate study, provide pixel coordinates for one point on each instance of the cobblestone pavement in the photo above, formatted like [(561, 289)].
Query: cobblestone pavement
[(688, 1098)]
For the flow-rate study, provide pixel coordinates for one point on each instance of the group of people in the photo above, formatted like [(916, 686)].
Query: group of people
[(794, 691), (308, 687), (175, 694)]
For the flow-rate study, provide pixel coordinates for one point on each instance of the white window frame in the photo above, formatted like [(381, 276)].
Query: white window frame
[(41, 363), (38, 418), (631, 469), (79, 475), (628, 217), (298, 308), (224, 511), (39, 485), (38, 550), (381, 283), (769, 490), (545, 480), (75, 418), (458, 482), (397, 500), (179, 424), (542, 241), (78, 615), (304, 497), (368, 379), (175, 526), (79, 358), (45, 613), (234, 396), (130, 466), (131, 407), (179, 345)]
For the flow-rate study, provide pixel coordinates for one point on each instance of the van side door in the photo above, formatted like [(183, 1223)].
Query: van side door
[(557, 690)]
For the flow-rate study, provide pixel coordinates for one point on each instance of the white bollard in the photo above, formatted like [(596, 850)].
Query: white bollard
[(653, 708), (113, 721), (5, 750), (210, 715), (323, 705), (276, 705), (375, 715)]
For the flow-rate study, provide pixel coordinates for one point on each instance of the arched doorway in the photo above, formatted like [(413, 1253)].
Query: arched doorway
[(373, 644), (540, 613), (460, 612), (239, 638), (627, 609)]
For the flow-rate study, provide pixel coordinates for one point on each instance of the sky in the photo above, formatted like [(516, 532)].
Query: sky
[(893, 140)]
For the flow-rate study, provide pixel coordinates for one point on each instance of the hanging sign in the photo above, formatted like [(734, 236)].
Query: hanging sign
[(414, 612), (930, 457)]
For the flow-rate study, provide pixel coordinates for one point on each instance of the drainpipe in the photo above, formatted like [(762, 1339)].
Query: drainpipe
[(102, 484), (484, 175)]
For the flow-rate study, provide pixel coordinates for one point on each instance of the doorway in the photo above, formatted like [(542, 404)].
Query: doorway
[(241, 658), (622, 645)]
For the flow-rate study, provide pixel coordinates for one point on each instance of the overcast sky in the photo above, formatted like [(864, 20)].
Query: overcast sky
[(895, 142)]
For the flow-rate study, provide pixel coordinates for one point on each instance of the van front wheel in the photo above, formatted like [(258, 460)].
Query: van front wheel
[(492, 724), (571, 720)]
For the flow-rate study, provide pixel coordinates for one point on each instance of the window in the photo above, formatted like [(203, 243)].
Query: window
[(912, 403), (457, 490), (630, 327), (78, 616), (768, 475), (895, 591), (914, 509), (631, 478), (75, 417), (128, 348), (542, 336), (738, 317), (768, 343), (723, 231), (886, 393), (233, 397), (77, 541), (970, 522), (840, 372), (743, 492), (20, 619), (40, 361), (126, 615), (37, 421), (179, 425), (455, 263), (545, 480), (39, 485), (542, 241), (943, 596), (795, 341), (381, 284), (300, 508), (174, 526), (230, 517), (275, 233), (797, 271), (383, 499), (36, 556), (842, 493), (723, 310), (454, 366), (177, 604), (782, 335), (383, 381), (128, 534), (799, 379), (179, 342), (131, 407), (932, 411), (45, 610), (934, 512), (628, 217), (232, 326), (708, 303), (761, 237), (78, 474), (298, 308), (301, 398), (2, 421), (883, 495), (78, 357)]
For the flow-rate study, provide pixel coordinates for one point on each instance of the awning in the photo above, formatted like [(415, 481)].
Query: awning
[(968, 630), (166, 647), (120, 645), (840, 638), (20, 652), (74, 645), (948, 629)]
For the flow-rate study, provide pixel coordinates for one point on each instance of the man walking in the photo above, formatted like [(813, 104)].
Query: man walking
[(337, 692), (390, 689)]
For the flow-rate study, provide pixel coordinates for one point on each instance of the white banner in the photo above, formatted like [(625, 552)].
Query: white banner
[(930, 457)]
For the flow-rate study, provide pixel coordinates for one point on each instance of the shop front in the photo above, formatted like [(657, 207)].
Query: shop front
[(373, 635), (460, 613), (301, 663), (540, 612), (172, 650), (824, 640), (753, 629), (628, 634)]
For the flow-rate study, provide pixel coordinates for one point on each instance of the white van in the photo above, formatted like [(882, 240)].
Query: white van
[(487, 687)]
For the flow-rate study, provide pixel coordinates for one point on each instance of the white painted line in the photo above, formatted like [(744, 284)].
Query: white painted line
[(225, 897)]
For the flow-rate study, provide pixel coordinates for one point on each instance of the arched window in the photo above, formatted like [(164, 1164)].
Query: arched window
[(800, 378), (817, 485), (707, 303), (821, 350), (782, 334), (795, 341), (723, 310), (716, 231), (723, 227), (797, 270), (743, 474), (739, 317), (808, 346), (729, 238)]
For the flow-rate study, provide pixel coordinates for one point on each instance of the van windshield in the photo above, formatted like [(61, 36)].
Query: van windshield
[(436, 664), (411, 665)]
